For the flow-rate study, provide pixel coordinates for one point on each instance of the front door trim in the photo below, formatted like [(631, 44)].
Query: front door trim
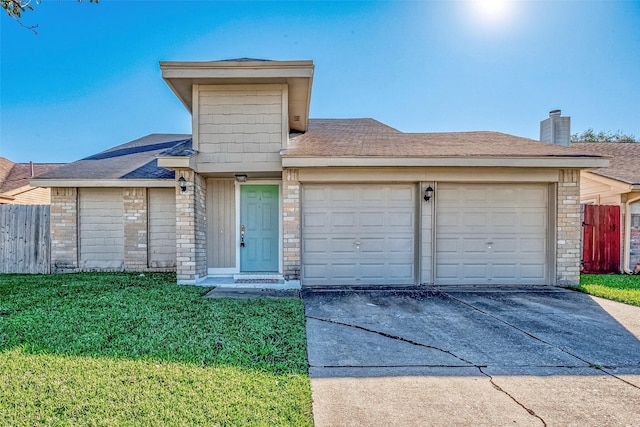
[(238, 224)]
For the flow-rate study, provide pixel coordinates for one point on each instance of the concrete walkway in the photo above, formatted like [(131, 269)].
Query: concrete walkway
[(532, 357)]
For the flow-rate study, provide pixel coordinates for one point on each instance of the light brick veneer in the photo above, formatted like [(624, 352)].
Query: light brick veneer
[(191, 228), (291, 224), (64, 229), (568, 228), (135, 228)]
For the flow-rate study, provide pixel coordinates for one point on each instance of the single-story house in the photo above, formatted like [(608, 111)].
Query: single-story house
[(14, 183), (259, 189), (618, 185)]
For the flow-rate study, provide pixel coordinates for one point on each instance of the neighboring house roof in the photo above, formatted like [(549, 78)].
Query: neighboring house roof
[(17, 175), (370, 138), (624, 161), (133, 160)]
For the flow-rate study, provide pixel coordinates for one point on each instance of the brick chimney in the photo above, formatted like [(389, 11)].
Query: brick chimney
[(556, 129)]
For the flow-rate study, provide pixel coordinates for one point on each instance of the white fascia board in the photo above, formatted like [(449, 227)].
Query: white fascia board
[(547, 162), (103, 182), (170, 162)]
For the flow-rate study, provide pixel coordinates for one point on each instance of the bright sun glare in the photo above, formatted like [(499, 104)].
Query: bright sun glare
[(492, 9)]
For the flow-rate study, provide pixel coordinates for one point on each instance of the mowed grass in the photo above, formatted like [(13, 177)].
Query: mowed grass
[(120, 349), (617, 287)]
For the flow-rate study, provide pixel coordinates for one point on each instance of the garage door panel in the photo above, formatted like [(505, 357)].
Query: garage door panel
[(505, 246), (372, 219), (535, 220), (532, 271), (475, 220), (401, 246), (341, 246), (404, 220), (318, 245), (314, 220), (504, 220), (371, 234), (499, 234), (373, 246), (504, 271), (405, 194), (474, 246), (447, 246), (533, 245), (475, 271)]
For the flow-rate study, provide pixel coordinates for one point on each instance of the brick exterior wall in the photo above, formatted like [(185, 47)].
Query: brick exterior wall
[(291, 260), (191, 228), (64, 229), (568, 228), (135, 229)]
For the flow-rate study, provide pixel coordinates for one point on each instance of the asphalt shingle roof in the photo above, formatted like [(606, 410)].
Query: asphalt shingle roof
[(134, 160), (370, 138), (16, 175), (624, 164)]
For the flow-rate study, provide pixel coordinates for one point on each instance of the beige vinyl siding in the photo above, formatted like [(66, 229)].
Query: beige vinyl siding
[(241, 128), (162, 227), (599, 193), (101, 221), (221, 223), (30, 196)]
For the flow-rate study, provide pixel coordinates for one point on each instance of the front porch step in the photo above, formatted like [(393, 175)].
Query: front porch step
[(257, 276)]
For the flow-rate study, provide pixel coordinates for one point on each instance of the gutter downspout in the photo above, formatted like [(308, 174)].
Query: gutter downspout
[(627, 235)]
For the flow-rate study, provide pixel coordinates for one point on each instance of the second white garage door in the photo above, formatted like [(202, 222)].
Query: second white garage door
[(492, 234), (358, 234)]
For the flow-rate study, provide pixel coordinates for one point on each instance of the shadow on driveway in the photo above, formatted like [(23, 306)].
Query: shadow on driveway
[(456, 356)]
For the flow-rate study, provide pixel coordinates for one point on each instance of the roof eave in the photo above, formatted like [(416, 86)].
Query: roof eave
[(544, 162), (614, 182), (90, 182)]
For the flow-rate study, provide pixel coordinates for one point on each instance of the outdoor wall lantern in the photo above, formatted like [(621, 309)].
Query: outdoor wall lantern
[(428, 193), (182, 183), (241, 178)]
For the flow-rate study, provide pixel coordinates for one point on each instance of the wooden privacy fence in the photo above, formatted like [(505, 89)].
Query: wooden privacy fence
[(24, 239), (601, 239)]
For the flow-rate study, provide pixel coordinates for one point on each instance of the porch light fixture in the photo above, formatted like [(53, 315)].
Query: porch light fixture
[(428, 193), (182, 183), (241, 178)]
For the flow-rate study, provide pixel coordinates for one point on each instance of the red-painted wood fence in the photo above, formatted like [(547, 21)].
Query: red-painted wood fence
[(601, 239)]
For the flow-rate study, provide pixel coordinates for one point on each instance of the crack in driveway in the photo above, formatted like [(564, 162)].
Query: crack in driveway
[(590, 364), (450, 353)]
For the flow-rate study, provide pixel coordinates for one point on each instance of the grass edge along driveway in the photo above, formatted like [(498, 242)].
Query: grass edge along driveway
[(125, 349), (616, 287)]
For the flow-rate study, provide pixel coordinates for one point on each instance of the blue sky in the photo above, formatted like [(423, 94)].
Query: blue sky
[(90, 80)]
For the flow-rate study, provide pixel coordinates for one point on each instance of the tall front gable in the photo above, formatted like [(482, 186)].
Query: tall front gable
[(242, 110)]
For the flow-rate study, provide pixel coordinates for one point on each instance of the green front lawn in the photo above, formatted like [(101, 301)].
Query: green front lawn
[(121, 349), (617, 287)]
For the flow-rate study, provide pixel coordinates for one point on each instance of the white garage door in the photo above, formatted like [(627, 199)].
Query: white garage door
[(358, 234), (101, 228), (491, 234)]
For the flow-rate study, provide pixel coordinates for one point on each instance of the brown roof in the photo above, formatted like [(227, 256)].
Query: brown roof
[(370, 138), (624, 164), (5, 167), (20, 173)]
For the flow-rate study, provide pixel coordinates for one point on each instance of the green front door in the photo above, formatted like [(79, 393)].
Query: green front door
[(259, 220)]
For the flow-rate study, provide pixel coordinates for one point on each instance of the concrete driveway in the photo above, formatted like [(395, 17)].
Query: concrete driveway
[(492, 357)]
